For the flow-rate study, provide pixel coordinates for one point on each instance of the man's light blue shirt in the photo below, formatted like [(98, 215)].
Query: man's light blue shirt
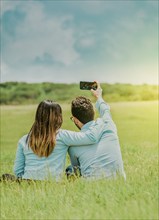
[(102, 159)]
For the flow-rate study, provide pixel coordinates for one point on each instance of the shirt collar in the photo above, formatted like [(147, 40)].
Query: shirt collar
[(87, 125)]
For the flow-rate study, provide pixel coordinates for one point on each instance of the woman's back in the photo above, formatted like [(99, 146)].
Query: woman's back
[(40, 168)]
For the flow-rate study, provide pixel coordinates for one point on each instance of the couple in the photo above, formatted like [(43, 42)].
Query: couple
[(95, 150)]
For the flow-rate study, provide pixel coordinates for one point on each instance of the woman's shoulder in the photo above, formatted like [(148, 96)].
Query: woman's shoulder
[(23, 139)]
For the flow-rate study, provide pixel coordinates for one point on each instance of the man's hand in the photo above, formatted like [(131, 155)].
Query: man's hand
[(98, 92)]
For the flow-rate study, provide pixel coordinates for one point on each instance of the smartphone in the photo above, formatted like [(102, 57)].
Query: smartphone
[(88, 85)]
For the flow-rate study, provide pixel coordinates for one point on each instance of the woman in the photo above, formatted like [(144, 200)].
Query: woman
[(41, 154)]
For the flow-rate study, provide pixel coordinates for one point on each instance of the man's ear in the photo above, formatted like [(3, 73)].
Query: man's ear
[(76, 120)]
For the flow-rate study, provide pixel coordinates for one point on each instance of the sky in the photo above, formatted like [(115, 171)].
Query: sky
[(67, 41)]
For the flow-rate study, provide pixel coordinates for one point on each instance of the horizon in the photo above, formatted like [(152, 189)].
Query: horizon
[(69, 83)]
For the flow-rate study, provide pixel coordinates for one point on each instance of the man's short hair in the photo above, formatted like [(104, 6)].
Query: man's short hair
[(82, 109)]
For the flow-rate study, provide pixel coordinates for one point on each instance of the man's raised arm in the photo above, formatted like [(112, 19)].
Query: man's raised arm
[(102, 107)]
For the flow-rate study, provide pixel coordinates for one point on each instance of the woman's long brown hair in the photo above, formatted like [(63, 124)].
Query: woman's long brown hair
[(42, 135)]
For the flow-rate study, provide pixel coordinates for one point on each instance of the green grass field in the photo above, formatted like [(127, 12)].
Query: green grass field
[(137, 198)]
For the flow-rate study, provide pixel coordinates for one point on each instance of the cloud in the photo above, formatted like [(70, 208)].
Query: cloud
[(94, 7), (132, 40), (8, 5), (87, 42), (85, 38), (38, 35), (97, 8), (5, 70)]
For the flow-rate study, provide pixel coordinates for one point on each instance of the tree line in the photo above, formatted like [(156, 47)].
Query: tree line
[(30, 93)]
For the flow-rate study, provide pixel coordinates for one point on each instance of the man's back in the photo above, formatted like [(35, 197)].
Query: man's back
[(104, 158)]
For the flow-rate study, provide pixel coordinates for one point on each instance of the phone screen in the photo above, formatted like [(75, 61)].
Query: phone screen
[(88, 85)]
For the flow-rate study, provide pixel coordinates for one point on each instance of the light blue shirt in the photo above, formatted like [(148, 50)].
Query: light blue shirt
[(28, 165), (102, 159)]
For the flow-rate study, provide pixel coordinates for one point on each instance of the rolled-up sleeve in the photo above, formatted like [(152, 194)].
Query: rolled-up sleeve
[(103, 109)]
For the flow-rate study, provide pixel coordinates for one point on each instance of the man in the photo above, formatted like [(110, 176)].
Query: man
[(103, 159)]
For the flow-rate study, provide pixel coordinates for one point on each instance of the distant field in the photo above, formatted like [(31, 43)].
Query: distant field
[(137, 124)]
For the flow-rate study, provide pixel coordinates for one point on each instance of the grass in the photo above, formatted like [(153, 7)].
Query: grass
[(137, 198)]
